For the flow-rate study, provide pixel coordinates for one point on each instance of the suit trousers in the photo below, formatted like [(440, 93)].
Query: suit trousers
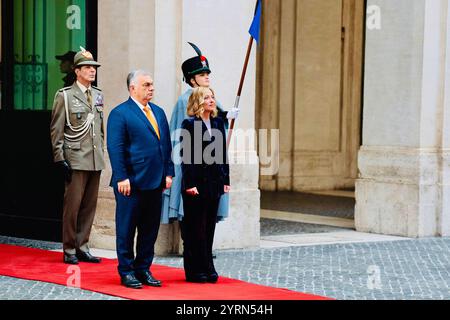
[(140, 211), (80, 203), (197, 230)]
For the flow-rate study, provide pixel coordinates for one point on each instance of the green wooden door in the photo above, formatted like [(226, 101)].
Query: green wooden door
[(33, 33), (42, 30)]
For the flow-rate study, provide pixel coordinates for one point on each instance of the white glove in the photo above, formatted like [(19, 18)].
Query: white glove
[(233, 114)]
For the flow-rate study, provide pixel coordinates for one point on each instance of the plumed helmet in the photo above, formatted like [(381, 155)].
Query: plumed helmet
[(195, 65), (84, 58)]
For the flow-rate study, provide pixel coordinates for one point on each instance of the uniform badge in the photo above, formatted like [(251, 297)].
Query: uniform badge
[(99, 100), (76, 103), (203, 59), (99, 105)]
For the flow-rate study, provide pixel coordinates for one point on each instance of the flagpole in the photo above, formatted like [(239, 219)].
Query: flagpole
[(244, 73), (241, 85)]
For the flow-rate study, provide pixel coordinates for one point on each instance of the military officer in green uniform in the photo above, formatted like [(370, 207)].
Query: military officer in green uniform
[(77, 135)]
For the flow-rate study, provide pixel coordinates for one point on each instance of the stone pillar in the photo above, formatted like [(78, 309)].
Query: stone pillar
[(220, 29), (153, 35), (404, 161), (127, 35)]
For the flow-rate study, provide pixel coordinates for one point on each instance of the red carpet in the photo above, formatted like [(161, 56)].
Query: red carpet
[(47, 266)]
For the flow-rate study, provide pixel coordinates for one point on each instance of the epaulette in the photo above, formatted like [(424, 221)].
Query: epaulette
[(64, 89), (96, 88)]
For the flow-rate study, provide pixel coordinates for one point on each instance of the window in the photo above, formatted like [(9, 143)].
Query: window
[(42, 30)]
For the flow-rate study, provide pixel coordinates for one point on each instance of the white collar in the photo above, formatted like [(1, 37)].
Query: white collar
[(139, 104), (82, 87), (142, 107)]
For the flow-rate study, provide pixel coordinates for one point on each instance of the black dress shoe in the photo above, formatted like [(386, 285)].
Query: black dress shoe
[(197, 278), (130, 281), (87, 257), (70, 258), (213, 277), (147, 279)]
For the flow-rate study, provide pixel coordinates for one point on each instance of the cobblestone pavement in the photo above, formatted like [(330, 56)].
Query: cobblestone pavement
[(411, 269), (18, 289)]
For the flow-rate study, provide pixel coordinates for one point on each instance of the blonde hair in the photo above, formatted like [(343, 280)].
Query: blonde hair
[(196, 101)]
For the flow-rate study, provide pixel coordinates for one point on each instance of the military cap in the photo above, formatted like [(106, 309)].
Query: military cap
[(84, 58), (195, 65)]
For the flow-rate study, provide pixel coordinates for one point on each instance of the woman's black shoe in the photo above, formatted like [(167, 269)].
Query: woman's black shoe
[(199, 278), (213, 277)]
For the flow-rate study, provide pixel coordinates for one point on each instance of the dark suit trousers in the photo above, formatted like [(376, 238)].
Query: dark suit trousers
[(80, 203), (197, 230), (140, 211)]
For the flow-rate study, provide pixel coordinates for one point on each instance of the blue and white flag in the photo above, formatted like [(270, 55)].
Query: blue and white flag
[(256, 24)]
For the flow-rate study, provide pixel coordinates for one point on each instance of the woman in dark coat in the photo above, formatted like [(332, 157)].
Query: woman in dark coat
[(205, 179)]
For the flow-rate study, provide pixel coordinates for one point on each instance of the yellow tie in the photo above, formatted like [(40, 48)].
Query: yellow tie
[(152, 120)]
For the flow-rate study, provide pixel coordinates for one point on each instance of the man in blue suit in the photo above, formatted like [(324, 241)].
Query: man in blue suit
[(140, 150)]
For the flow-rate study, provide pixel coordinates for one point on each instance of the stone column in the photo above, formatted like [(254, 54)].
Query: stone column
[(153, 35), (404, 161), (220, 29), (127, 35)]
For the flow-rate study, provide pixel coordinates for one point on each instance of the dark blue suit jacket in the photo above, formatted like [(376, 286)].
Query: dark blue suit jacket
[(209, 178), (134, 149)]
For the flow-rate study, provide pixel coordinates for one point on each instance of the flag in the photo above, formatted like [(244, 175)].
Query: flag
[(256, 24)]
